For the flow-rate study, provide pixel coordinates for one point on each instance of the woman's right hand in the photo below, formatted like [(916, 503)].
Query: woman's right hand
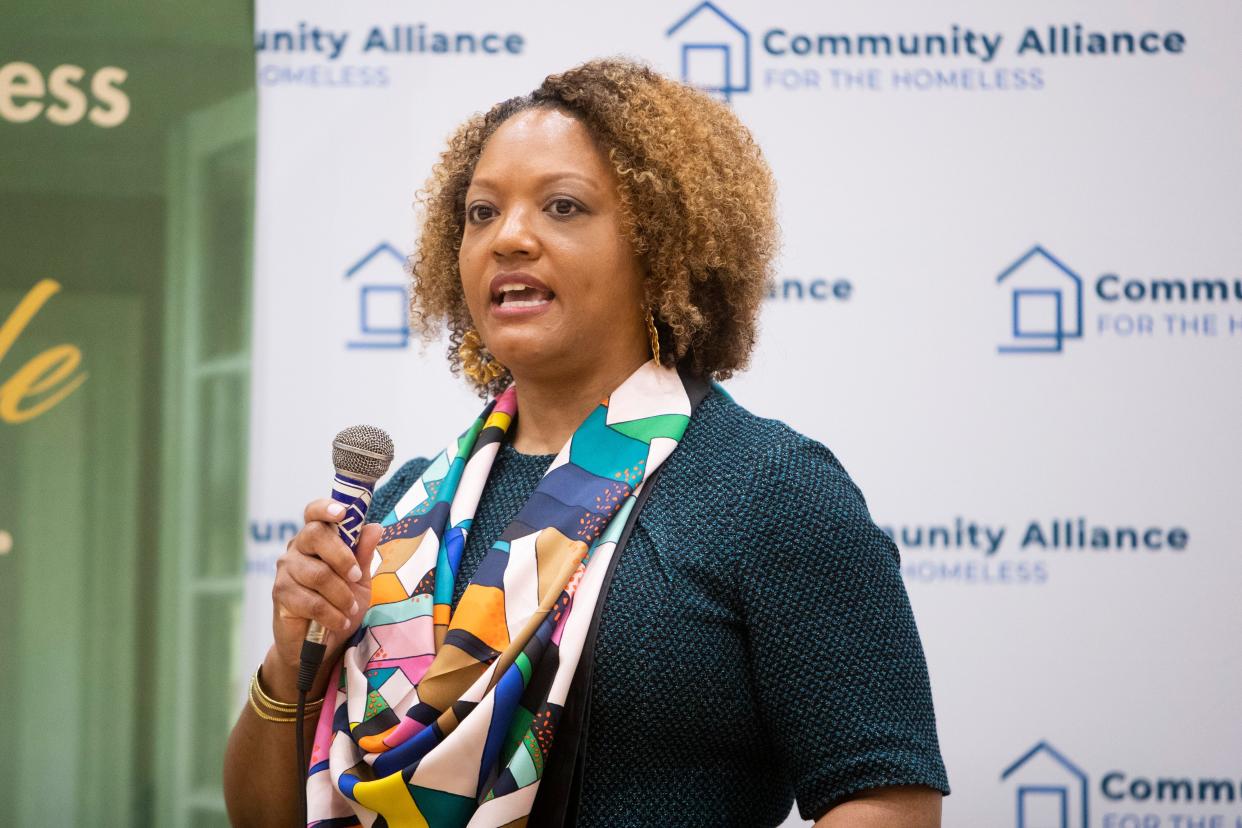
[(319, 578)]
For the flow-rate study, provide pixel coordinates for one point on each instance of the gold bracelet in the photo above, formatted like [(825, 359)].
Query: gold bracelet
[(262, 715), (256, 704), (279, 706), (258, 699), (266, 716)]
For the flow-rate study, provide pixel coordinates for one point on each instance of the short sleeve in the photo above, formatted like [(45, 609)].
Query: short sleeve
[(387, 495), (838, 664)]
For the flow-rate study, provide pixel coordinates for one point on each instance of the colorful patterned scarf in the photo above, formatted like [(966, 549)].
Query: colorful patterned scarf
[(446, 718)]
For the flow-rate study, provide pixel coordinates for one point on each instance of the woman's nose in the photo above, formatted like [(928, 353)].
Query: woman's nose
[(516, 235)]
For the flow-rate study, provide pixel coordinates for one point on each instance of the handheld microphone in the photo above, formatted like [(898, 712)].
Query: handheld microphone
[(361, 455)]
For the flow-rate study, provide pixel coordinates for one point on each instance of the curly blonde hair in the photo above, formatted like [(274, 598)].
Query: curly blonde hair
[(697, 198)]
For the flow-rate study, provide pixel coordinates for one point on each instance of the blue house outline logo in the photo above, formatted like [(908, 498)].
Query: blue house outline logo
[(1061, 303), (1026, 794), (734, 55), (380, 335)]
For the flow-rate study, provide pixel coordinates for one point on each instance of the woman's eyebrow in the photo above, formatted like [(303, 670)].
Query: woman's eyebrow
[(546, 178)]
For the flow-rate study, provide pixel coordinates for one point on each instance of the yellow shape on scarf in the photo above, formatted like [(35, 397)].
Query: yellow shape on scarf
[(391, 797)]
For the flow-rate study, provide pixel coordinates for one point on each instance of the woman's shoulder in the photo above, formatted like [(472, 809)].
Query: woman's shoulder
[(726, 438), (387, 495), (760, 477)]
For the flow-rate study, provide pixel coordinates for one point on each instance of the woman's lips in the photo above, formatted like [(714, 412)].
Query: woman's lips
[(519, 294)]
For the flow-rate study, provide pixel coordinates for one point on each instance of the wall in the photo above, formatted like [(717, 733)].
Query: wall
[(979, 311)]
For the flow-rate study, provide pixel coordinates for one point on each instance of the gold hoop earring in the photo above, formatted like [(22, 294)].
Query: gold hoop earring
[(476, 363), (654, 335)]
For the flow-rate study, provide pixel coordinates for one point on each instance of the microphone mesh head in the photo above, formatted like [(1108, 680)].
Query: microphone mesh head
[(362, 451)]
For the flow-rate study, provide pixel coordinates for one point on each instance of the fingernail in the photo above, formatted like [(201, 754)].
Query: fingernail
[(354, 609), (335, 509), (355, 573), (346, 624)]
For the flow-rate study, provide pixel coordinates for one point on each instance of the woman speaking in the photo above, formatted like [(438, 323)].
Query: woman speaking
[(618, 598)]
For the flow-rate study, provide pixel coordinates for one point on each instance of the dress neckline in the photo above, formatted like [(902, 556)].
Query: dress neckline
[(509, 452)]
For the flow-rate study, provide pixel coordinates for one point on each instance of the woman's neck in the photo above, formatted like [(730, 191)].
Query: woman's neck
[(551, 409)]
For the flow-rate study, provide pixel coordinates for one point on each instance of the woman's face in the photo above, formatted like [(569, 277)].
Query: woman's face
[(551, 282)]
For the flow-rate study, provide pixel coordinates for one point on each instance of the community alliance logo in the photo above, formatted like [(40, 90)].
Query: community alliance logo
[(1043, 306), (723, 54), (714, 50), (306, 53), (1049, 790), (970, 550), (380, 287), (1045, 301)]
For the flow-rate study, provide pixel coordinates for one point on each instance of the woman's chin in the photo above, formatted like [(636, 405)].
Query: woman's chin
[(528, 355)]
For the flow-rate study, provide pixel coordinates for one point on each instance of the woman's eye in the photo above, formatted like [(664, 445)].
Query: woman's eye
[(564, 207), (479, 212)]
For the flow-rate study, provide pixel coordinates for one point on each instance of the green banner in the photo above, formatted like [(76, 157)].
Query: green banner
[(127, 140)]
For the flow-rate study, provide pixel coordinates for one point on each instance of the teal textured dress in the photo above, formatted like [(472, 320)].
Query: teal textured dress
[(797, 671)]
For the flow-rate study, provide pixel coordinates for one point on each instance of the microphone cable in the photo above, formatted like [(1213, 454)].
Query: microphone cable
[(308, 666)]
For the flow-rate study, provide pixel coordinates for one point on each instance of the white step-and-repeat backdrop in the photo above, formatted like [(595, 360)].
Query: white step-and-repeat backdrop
[(1010, 299)]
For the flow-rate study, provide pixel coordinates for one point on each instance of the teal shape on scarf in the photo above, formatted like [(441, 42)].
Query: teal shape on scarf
[(441, 808), (376, 678), (601, 450), (671, 426)]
